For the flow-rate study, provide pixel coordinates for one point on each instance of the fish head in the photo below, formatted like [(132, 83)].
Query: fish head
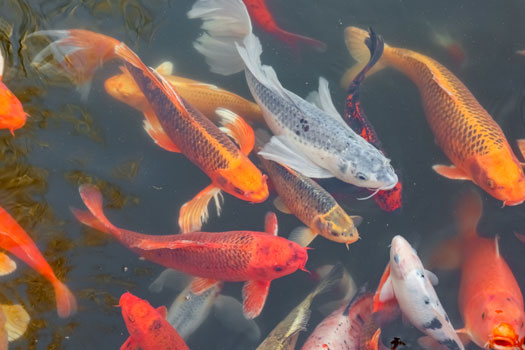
[(501, 175), (244, 181), (277, 257), (373, 170), (134, 312), (403, 258), (337, 226), (12, 115), (500, 323), (123, 88)]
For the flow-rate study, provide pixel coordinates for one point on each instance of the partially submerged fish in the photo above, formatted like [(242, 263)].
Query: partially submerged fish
[(254, 257), (310, 203), (15, 240), (172, 122), (411, 286), (147, 327), (284, 335), (14, 321), (388, 200), (464, 130), (12, 115), (204, 97), (315, 143)]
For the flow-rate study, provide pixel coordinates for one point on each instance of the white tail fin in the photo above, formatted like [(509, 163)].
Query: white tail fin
[(224, 22)]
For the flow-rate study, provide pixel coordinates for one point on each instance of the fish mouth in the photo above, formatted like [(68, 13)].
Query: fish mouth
[(503, 343)]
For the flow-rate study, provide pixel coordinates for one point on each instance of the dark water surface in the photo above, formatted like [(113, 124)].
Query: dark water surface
[(67, 142)]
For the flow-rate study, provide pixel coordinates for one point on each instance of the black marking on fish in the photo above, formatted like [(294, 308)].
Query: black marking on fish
[(434, 324), (426, 300), (450, 344)]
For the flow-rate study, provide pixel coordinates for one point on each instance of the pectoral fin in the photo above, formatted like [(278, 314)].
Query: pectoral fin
[(165, 68), (195, 212), (254, 296), (302, 235), (279, 205), (387, 291), (199, 285), (157, 133), (162, 311), (451, 172), (16, 320), (270, 224), (7, 265), (432, 277), (235, 127)]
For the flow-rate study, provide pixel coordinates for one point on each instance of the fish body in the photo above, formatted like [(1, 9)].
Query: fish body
[(343, 328), (12, 115), (311, 204), (490, 300), (284, 335), (204, 97), (15, 240), (355, 117), (254, 257), (172, 122), (307, 139), (263, 18), (463, 129), (411, 285), (147, 326)]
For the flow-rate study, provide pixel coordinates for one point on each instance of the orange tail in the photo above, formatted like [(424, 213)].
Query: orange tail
[(468, 213), (294, 40), (85, 217), (79, 53), (66, 302), (93, 200)]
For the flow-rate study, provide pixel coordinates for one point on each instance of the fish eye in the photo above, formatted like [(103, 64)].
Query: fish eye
[(238, 190), (490, 183), (362, 176), (396, 258)]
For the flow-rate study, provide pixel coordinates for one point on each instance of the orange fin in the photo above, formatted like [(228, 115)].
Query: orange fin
[(254, 295), (464, 335), (85, 217), (162, 311), (521, 147), (195, 212), (172, 244), (451, 172), (92, 198), (156, 132), (7, 265), (270, 223), (520, 236), (235, 126), (129, 344), (66, 302), (199, 285)]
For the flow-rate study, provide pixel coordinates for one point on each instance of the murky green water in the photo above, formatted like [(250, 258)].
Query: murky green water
[(67, 142)]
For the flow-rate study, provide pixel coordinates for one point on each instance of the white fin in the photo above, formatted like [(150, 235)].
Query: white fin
[(1, 64), (323, 100), (171, 279), (356, 219), (165, 68), (224, 22), (279, 205), (434, 280), (302, 235), (496, 245), (84, 89), (387, 291), (16, 320), (280, 151), (229, 312)]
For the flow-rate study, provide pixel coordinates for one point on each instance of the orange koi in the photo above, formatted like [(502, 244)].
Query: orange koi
[(12, 115), (463, 129), (490, 300), (254, 257), (147, 327), (14, 239), (205, 97), (174, 124)]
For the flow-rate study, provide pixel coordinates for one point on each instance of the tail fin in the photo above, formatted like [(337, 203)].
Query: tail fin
[(468, 213), (356, 40), (79, 53), (66, 302), (85, 217), (224, 23), (294, 40), (93, 200), (16, 320)]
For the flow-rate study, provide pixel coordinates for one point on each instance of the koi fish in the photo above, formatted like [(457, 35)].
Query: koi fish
[(340, 294), (254, 257), (204, 97), (174, 124), (189, 310), (310, 203), (464, 130), (12, 115), (284, 335), (490, 300), (15, 240), (308, 140), (342, 329), (147, 326), (387, 200), (411, 285), (263, 18)]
